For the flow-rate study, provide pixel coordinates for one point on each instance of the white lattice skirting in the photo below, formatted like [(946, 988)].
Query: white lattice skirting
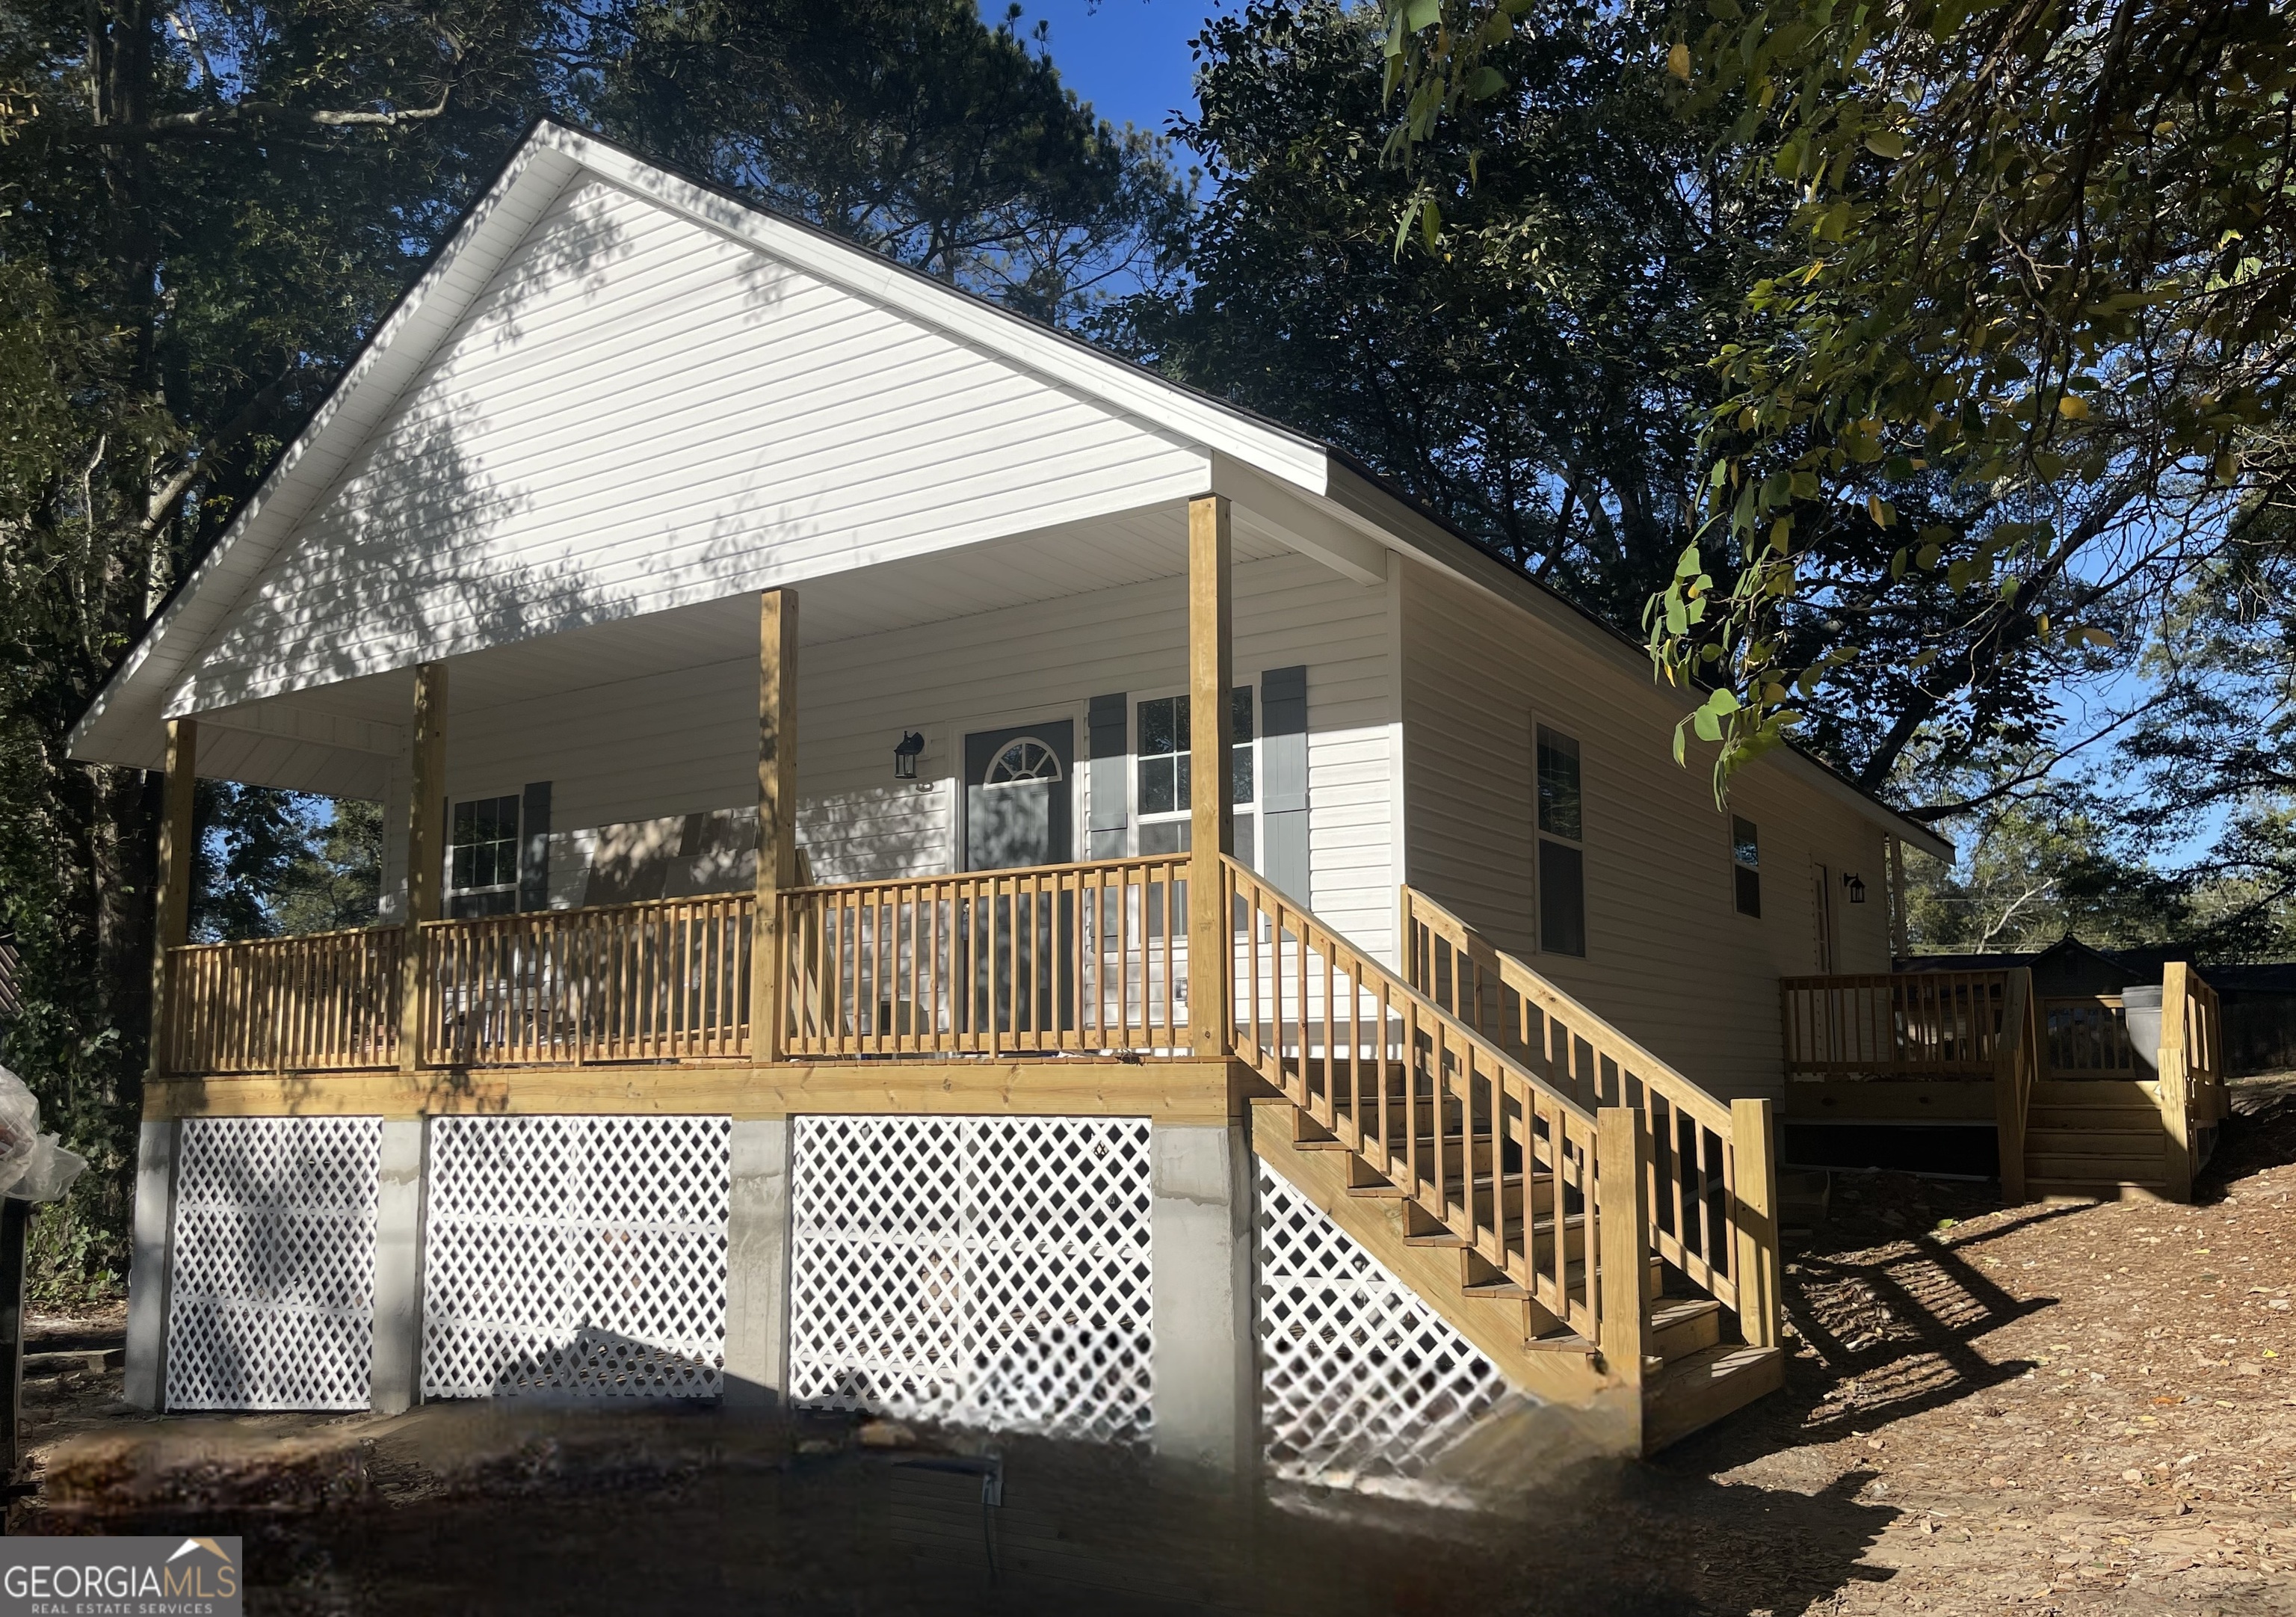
[(581, 1256), (1359, 1379), (271, 1293), (987, 1271)]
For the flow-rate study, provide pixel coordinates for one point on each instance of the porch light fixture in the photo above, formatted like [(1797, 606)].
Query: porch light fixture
[(904, 756), (1857, 885)]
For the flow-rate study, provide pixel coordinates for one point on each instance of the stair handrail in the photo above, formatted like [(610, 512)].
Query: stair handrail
[(1286, 954), (1679, 1187), (1599, 1034), (1242, 876)]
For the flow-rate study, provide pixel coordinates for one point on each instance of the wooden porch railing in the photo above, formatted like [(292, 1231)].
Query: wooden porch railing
[(1907, 1024), (664, 980), (2087, 1037), (326, 1002), (1702, 1220), (1086, 957), (2017, 1057)]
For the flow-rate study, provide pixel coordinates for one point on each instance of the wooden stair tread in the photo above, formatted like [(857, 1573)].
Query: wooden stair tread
[(1543, 1225), (2101, 1190), (1501, 1291), (1561, 1341), (1693, 1393)]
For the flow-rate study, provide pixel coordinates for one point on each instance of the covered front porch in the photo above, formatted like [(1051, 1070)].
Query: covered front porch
[(916, 901)]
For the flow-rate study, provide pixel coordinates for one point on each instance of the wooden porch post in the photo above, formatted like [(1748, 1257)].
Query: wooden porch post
[(1755, 1264), (426, 851), (171, 920), (1897, 926), (1211, 815), (1621, 1163), (776, 815), (2176, 1081)]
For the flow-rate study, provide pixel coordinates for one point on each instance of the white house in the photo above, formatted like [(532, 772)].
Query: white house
[(651, 529)]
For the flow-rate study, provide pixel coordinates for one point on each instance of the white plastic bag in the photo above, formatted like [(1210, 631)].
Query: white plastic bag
[(49, 1172), (20, 1129)]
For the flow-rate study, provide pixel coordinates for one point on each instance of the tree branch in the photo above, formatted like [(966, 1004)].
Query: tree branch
[(210, 120)]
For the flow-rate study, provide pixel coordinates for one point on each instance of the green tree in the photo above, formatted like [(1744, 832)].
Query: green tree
[(908, 126), (269, 864), (337, 880), (2030, 368), (2032, 871)]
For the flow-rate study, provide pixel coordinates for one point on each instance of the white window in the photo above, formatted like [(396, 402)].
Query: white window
[(1561, 845), (482, 856), (1746, 865), (1161, 795)]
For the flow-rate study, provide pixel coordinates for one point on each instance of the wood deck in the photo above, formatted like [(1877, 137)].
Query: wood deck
[(2081, 1111), (1169, 1091), (1534, 1202)]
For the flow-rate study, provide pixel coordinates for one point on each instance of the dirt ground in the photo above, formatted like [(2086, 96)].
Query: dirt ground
[(2070, 1409)]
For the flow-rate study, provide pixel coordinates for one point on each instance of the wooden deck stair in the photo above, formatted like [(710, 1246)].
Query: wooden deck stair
[(1603, 1235), (2095, 1137)]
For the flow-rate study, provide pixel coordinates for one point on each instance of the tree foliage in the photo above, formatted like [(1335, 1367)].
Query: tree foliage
[(269, 864), (2028, 371)]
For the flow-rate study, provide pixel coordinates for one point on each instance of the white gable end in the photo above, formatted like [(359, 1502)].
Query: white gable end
[(641, 413)]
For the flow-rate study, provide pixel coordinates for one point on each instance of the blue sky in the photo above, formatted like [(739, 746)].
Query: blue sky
[(1128, 58)]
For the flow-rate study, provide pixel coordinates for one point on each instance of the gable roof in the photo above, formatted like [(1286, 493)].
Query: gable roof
[(1338, 509)]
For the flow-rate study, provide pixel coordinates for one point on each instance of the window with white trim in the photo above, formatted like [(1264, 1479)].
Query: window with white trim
[(1161, 770), (1746, 865), (482, 856), (1561, 846)]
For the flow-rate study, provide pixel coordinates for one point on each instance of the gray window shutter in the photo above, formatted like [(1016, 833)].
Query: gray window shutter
[(534, 847), (1283, 779), (1105, 735)]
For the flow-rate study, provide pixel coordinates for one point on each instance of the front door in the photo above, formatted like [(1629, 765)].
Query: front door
[(1019, 804)]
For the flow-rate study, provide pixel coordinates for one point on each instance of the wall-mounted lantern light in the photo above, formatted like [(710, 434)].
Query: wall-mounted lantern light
[(1857, 885), (904, 756)]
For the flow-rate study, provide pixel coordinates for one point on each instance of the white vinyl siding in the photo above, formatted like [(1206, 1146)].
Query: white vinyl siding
[(1668, 957), (640, 413)]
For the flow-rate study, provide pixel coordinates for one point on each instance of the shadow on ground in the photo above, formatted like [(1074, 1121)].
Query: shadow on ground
[(469, 1508)]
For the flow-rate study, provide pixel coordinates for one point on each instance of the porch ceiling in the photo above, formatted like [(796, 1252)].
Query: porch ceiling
[(367, 716)]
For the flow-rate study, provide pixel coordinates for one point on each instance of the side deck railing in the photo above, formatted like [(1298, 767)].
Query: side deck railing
[(2087, 1037), (2194, 1100), (1904, 1024)]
